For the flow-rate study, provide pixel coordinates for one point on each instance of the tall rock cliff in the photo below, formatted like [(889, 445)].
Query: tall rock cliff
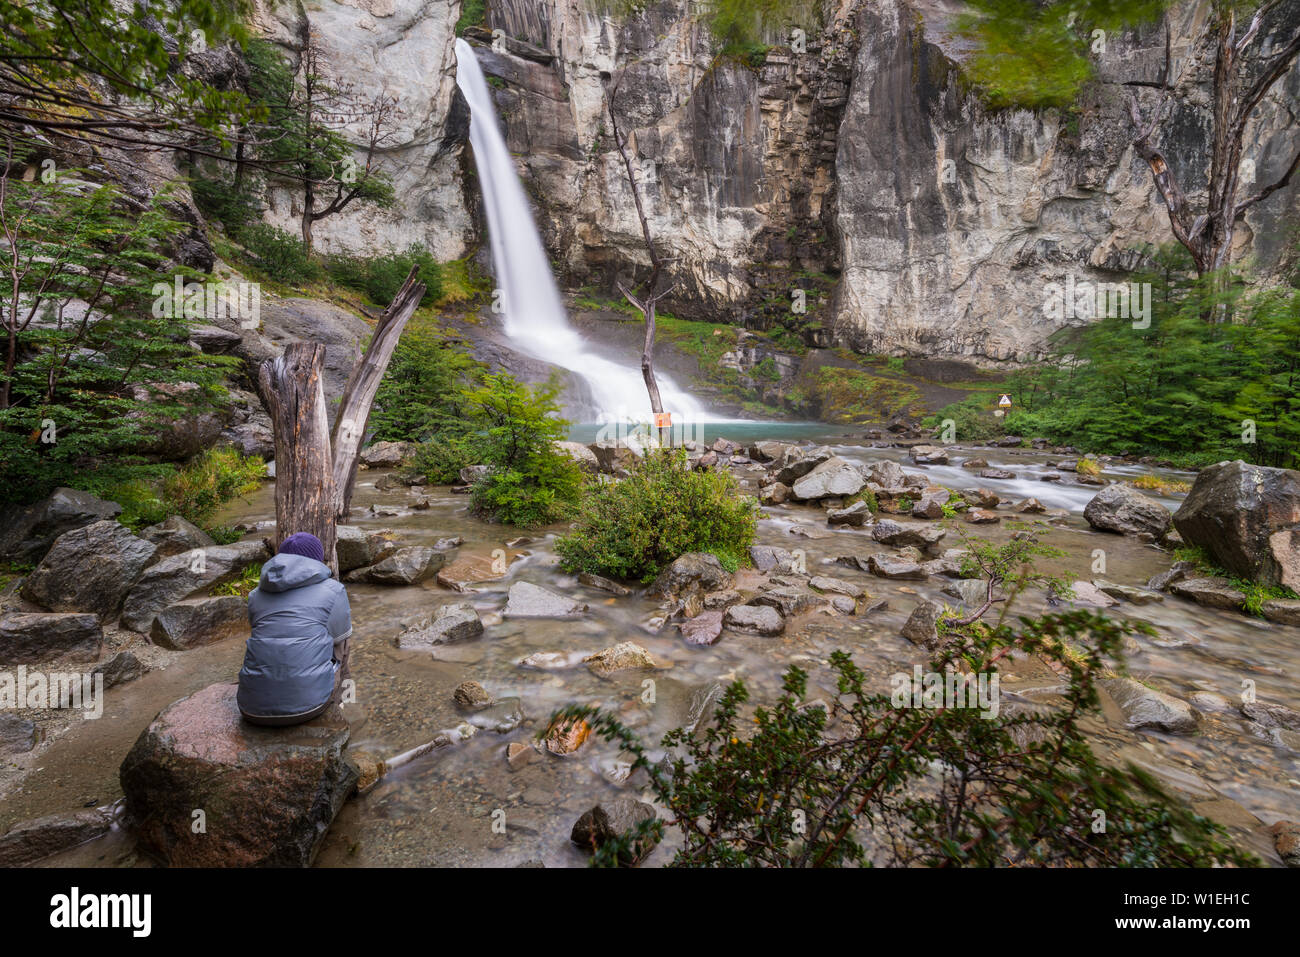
[(861, 170)]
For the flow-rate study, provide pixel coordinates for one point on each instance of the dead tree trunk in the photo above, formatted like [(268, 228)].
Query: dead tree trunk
[(363, 384), (314, 470), (647, 304), (291, 390)]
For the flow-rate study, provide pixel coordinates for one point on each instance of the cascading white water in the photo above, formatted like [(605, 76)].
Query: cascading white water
[(535, 319)]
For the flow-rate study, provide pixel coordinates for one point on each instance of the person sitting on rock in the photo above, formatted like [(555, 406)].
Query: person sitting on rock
[(297, 654)]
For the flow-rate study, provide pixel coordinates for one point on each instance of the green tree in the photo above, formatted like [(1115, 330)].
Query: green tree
[(424, 391)]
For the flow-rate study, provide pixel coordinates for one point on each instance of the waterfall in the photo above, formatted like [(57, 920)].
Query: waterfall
[(535, 319)]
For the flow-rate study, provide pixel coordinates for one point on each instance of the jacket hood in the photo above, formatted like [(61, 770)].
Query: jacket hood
[(287, 572)]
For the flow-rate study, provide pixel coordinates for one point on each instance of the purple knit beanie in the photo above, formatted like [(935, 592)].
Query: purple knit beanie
[(305, 544)]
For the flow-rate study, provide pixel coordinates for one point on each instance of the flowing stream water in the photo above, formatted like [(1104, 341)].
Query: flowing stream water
[(441, 809), (534, 315)]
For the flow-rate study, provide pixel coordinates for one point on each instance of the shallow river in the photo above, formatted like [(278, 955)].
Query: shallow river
[(441, 809)]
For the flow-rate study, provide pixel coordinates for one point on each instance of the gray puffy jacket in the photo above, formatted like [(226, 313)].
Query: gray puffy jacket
[(297, 612)]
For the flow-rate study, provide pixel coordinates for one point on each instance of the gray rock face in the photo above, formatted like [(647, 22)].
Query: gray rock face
[(795, 463), (175, 535), (451, 623), (1283, 611), (693, 572), (614, 458), (1248, 518), (28, 531), (89, 569), (610, 819), (1123, 509), (1138, 596), (836, 586), (200, 621), (1145, 707), (767, 557), (360, 548), (834, 477), (269, 794), (855, 516), (585, 458), (406, 566), (186, 575), (756, 619), (971, 592), (526, 600), (121, 668), (789, 600), (27, 639)]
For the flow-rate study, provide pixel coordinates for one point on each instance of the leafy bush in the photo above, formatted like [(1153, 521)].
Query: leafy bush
[(972, 419), (874, 779), (379, 278), (282, 256), (529, 482), (633, 528), (234, 206), (440, 458)]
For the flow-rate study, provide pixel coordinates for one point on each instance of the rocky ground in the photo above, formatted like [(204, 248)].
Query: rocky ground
[(469, 636)]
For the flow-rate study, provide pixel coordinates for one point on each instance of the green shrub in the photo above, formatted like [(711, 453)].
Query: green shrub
[(633, 528), (234, 206), (440, 458), (380, 278), (280, 255), (423, 393), (972, 419), (874, 779), (529, 482)]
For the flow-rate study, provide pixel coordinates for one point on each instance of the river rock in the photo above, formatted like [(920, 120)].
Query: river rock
[(887, 566), (1271, 715), (1248, 518), (28, 531), (789, 600), (1145, 707), (581, 454), (692, 572), (17, 735), (1282, 611), (406, 566), (1214, 592), (928, 455), (27, 639), (776, 493), (361, 547), (175, 535), (268, 795), (800, 463), (1177, 572), (471, 475), (526, 600), (886, 474), (601, 583), (971, 592), (451, 623), (89, 569), (755, 619), (768, 557), (625, 656), (836, 586), (922, 625), (613, 458), (835, 476), (930, 504), (1123, 509), (1089, 595), (32, 841), (975, 464), (981, 516), (1138, 596), (704, 629), (998, 474), (200, 621), (499, 717), (471, 696), (889, 532), (386, 455), (855, 516), (1286, 841), (186, 575), (121, 668), (1030, 506), (610, 819)]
